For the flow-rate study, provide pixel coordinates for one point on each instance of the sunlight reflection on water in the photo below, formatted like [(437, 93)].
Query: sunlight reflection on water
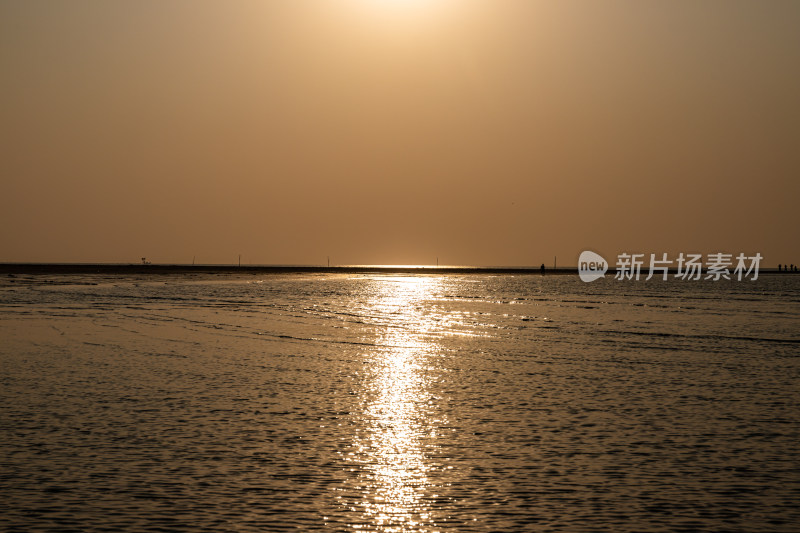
[(393, 452)]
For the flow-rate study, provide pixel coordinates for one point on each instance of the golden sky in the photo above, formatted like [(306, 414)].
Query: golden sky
[(481, 132)]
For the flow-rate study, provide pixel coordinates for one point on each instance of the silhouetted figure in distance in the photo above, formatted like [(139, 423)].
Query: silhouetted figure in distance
[(541, 269), (779, 267)]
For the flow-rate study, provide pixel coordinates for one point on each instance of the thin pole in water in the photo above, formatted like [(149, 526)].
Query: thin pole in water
[(240, 259)]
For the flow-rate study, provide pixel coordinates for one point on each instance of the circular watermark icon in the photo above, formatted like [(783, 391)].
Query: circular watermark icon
[(591, 266)]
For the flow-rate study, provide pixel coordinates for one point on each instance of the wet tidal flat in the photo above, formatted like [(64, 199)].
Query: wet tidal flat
[(357, 402)]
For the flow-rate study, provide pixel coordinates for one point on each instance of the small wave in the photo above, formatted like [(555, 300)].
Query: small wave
[(706, 337), (328, 341)]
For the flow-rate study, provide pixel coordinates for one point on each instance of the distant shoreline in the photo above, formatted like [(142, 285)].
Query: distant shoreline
[(167, 269), (163, 269)]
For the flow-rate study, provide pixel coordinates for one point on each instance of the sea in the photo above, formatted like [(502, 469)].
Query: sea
[(398, 402)]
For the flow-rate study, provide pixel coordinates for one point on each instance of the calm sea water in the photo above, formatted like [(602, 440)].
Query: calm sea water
[(398, 403)]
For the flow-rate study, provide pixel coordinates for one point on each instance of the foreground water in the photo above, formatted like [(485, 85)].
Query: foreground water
[(398, 403)]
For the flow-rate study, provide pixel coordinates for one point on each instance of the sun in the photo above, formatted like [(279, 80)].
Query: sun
[(399, 23), (401, 4), (403, 8)]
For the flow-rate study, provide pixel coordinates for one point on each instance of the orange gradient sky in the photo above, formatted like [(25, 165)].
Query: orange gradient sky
[(496, 132)]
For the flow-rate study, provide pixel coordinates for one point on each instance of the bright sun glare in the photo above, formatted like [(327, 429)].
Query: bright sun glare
[(402, 4), (403, 8)]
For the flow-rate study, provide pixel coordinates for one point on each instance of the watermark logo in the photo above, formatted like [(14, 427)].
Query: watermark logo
[(591, 266), (687, 267)]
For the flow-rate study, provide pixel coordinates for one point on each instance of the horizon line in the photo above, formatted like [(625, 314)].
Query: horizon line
[(11, 268)]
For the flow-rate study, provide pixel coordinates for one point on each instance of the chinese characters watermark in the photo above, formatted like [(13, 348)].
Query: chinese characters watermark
[(689, 267)]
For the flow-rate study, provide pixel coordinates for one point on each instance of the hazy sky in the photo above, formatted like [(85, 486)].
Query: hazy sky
[(494, 132)]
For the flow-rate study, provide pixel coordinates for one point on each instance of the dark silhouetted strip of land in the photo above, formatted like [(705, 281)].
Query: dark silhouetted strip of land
[(157, 269), (111, 269)]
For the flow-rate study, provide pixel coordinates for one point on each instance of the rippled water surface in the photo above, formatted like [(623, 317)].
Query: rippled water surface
[(398, 403)]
